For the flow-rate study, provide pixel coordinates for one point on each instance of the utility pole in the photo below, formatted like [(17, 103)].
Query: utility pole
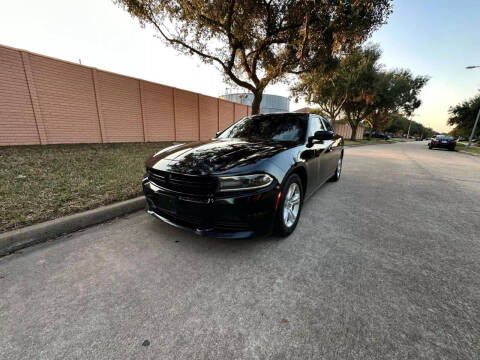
[(409, 126), (478, 115), (473, 130)]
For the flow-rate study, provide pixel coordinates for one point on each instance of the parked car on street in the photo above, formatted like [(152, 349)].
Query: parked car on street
[(251, 179), (442, 142), (377, 135)]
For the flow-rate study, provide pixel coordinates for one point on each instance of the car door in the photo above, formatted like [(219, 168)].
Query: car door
[(318, 148), (332, 150)]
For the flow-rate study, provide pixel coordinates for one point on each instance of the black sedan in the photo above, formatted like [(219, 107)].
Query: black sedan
[(442, 142), (251, 179)]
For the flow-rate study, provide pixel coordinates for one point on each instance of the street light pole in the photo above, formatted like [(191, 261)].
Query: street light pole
[(478, 115), (473, 130)]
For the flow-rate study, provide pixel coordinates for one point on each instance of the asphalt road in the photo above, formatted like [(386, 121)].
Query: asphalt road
[(385, 264)]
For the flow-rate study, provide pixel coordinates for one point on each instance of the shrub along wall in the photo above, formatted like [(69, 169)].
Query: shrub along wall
[(51, 101)]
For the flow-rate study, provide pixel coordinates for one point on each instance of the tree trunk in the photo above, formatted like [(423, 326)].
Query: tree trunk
[(257, 99), (354, 132), (373, 130), (333, 121)]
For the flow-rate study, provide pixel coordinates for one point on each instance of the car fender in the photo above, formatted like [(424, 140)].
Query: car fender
[(287, 162)]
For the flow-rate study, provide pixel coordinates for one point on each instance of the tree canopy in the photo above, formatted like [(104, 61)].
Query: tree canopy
[(330, 90), (399, 124), (394, 91), (256, 43), (463, 116), (361, 89)]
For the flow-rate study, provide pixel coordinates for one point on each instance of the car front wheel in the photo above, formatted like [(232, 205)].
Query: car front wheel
[(338, 170), (290, 206)]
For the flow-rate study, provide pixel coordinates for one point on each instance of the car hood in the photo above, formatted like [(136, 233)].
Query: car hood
[(214, 156)]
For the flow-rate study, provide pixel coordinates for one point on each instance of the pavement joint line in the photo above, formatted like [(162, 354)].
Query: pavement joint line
[(18, 239)]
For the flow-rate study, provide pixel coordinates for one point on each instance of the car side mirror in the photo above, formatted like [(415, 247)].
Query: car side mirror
[(323, 135), (320, 136)]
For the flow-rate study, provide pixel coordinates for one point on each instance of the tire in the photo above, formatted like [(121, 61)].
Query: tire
[(451, 149), (430, 147), (338, 170), (284, 225)]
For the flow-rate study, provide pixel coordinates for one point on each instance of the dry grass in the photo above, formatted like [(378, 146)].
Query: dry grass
[(374, 141), (474, 148), (39, 183)]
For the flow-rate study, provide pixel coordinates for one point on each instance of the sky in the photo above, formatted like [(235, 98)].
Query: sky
[(437, 38)]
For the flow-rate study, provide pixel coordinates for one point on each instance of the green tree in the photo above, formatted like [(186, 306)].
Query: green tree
[(327, 90), (394, 92), (399, 124), (463, 116), (363, 76), (256, 43), (330, 90)]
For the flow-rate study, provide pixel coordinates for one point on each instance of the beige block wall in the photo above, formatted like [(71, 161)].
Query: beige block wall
[(67, 101), (17, 120), (226, 111), (240, 111), (121, 110), (186, 109), (50, 101), (208, 107), (158, 112)]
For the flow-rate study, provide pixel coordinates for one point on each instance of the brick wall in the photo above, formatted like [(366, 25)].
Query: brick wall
[(50, 101)]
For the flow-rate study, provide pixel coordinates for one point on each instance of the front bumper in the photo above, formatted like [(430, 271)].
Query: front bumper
[(234, 215)]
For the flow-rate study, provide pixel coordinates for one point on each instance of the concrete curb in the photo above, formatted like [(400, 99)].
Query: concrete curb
[(468, 153), (18, 239)]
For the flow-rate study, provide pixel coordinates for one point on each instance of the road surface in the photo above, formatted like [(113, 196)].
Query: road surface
[(384, 264)]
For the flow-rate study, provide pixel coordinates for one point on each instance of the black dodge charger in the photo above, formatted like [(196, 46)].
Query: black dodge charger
[(442, 142), (251, 179)]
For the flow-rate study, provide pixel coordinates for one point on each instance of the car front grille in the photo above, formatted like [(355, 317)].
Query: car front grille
[(185, 184)]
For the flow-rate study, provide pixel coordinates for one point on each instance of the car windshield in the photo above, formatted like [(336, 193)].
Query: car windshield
[(279, 127)]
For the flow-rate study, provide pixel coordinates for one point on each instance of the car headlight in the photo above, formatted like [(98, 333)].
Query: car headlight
[(244, 182)]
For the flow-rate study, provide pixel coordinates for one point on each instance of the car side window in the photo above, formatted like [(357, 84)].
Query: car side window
[(315, 125), (327, 125)]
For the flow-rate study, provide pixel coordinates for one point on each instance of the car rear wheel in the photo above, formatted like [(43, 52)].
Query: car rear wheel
[(290, 206)]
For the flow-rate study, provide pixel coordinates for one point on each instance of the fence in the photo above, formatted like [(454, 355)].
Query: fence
[(50, 101), (345, 130)]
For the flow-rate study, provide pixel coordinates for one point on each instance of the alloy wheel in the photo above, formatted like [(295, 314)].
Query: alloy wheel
[(291, 205)]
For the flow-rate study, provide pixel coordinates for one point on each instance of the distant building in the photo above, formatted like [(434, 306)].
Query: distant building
[(269, 104)]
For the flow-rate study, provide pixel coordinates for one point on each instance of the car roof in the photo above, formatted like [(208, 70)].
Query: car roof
[(302, 115), (282, 113)]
